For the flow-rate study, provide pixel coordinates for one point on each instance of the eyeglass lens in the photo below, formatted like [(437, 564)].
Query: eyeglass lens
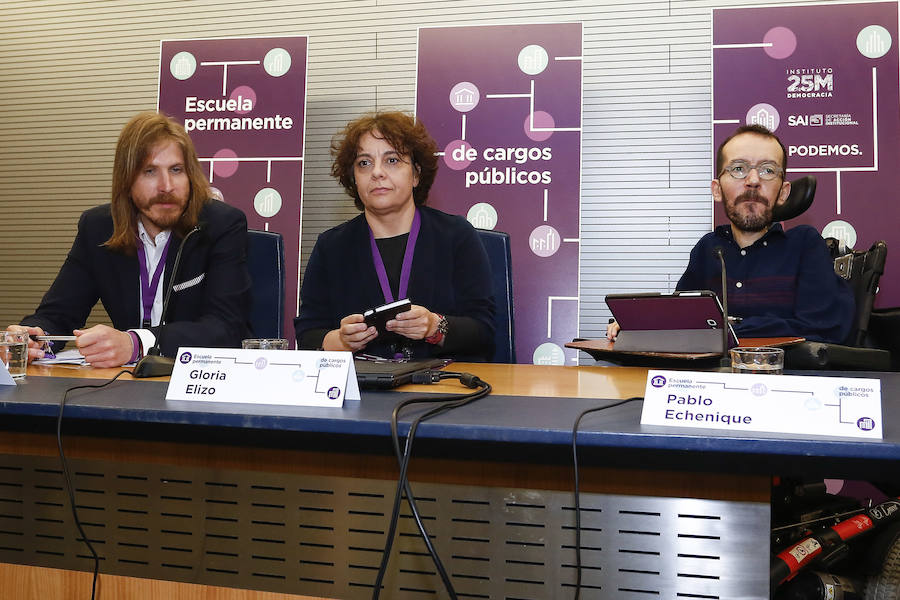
[(766, 170)]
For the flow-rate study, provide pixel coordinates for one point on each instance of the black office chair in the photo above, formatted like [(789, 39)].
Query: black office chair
[(265, 261), (496, 244), (862, 269)]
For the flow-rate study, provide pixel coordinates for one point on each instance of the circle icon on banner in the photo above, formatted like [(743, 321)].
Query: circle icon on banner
[(464, 96), (334, 392), (544, 241), (183, 65), (533, 59), (267, 202), (842, 231), (185, 358), (482, 216), (866, 423), (216, 194), (782, 42), (298, 375), (245, 96), (543, 124), (658, 381), (873, 41), (277, 62), (765, 115), (548, 353), (458, 154), (224, 164), (261, 363), (759, 389)]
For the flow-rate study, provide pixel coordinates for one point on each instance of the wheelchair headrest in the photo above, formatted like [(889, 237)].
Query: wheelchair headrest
[(803, 191)]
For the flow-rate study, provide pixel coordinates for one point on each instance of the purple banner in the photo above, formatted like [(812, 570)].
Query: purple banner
[(825, 79), (504, 105), (243, 102)]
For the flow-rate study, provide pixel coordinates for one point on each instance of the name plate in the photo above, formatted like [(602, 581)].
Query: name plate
[(832, 406), (5, 377), (286, 377)]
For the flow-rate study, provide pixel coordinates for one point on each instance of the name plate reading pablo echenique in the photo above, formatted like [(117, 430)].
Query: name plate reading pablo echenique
[(287, 377), (832, 406)]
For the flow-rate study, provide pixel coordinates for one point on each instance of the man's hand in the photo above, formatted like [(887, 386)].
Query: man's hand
[(352, 336), (103, 346), (35, 349), (417, 323), (612, 330)]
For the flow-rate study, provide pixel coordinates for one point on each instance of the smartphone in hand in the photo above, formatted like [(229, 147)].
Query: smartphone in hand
[(380, 315)]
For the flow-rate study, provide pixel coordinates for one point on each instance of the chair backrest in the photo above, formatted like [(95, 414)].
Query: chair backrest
[(265, 261), (863, 269), (496, 244), (803, 191)]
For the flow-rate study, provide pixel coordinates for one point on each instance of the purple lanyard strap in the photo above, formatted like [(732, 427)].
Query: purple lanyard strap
[(407, 261), (148, 286)]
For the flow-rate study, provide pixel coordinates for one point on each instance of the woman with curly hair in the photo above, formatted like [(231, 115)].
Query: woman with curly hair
[(397, 248)]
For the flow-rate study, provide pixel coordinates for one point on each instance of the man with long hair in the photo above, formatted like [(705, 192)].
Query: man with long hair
[(124, 253)]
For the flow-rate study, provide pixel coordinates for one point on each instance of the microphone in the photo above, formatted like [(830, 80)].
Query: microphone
[(725, 361), (154, 364)]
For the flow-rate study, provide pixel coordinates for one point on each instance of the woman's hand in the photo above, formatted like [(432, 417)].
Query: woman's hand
[(417, 323), (353, 335)]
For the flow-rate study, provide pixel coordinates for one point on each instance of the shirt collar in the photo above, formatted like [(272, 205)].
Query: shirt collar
[(160, 239), (724, 232)]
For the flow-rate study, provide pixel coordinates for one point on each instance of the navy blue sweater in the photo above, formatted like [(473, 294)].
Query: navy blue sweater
[(782, 285)]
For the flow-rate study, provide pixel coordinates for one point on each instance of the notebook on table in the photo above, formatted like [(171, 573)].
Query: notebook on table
[(387, 374), (678, 322)]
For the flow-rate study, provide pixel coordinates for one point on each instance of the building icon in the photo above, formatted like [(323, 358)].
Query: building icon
[(464, 97), (765, 118)]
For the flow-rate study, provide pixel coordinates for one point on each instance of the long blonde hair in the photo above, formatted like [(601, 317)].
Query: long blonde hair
[(137, 139)]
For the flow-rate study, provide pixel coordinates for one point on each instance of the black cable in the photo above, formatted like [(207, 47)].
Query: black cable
[(68, 478), (577, 492), (403, 457), (448, 402), (410, 498)]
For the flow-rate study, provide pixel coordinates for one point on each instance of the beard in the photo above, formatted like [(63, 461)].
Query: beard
[(751, 221), (168, 219)]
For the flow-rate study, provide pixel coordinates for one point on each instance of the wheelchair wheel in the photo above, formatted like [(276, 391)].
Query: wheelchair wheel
[(885, 585)]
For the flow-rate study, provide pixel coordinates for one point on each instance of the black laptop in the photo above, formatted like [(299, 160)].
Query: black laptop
[(387, 374)]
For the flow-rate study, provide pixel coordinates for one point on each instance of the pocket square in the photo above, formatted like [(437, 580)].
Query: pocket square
[(189, 283)]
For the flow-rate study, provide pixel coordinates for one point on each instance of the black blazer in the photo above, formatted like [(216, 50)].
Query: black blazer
[(450, 275), (210, 306)]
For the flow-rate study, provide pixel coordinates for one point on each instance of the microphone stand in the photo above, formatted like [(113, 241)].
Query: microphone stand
[(154, 364), (725, 360)]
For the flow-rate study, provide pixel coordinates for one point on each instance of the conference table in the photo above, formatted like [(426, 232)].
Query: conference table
[(231, 501)]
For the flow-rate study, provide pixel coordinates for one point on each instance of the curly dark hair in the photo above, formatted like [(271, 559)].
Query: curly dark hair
[(404, 132)]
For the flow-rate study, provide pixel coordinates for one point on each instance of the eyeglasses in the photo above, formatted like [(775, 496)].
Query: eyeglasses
[(766, 170)]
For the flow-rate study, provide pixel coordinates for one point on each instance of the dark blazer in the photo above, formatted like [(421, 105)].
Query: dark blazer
[(450, 276), (211, 309)]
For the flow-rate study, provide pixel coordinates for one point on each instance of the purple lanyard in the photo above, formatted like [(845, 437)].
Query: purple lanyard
[(407, 261), (148, 286)]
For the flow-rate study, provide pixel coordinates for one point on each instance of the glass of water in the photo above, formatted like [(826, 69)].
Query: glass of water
[(264, 344), (757, 361), (14, 352)]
